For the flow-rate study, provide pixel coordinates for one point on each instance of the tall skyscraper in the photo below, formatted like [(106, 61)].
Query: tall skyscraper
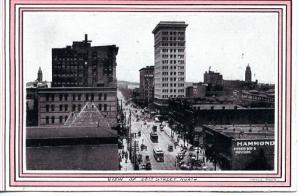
[(248, 74), (169, 70)]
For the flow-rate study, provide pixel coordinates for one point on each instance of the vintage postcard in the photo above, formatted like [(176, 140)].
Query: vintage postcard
[(135, 95)]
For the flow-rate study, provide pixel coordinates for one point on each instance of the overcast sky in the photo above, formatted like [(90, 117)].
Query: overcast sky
[(225, 41)]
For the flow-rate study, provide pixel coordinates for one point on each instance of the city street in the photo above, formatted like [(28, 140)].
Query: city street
[(144, 124)]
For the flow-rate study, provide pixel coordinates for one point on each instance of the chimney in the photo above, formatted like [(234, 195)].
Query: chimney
[(85, 38)]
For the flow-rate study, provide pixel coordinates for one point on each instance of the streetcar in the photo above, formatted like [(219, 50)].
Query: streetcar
[(158, 154), (154, 137)]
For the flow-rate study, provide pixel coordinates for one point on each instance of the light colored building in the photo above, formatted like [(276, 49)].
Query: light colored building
[(57, 103), (170, 59)]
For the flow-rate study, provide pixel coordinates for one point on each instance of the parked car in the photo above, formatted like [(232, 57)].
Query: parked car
[(180, 156), (170, 148), (148, 166), (184, 167), (161, 127)]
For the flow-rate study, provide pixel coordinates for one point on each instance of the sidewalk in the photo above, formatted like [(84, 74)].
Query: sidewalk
[(125, 166), (210, 166)]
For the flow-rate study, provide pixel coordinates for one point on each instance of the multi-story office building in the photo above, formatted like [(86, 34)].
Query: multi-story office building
[(82, 65), (55, 105), (147, 84), (81, 73), (169, 70)]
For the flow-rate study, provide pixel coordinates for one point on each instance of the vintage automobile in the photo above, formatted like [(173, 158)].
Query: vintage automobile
[(170, 148)]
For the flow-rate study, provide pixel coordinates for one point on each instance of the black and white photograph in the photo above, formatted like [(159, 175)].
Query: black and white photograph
[(151, 91)]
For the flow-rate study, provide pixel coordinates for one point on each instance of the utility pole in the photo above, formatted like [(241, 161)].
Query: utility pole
[(121, 105), (129, 137)]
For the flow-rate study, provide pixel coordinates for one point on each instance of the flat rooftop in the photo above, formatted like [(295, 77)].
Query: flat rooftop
[(168, 24), (255, 131), (63, 132), (216, 106)]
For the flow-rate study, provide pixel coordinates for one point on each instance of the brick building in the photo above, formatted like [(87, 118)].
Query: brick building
[(82, 65), (240, 147), (147, 85), (81, 73), (189, 114)]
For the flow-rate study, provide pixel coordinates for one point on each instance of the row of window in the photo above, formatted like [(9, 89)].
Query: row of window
[(87, 96), (173, 85), (172, 50), (172, 62), (181, 38), (172, 44), (181, 33), (53, 119), (71, 75), (68, 83), (172, 96), (65, 107), (171, 90), (173, 38), (172, 56), (172, 67)]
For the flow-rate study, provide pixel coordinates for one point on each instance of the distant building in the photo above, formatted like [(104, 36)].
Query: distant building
[(196, 90), (136, 96), (255, 98), (38, 83), (82, 65), (240, 147), (189, 91), (147, 84), (32, 89), (169, 74), (190, 113), (248, 74), (213, 79), (40, 75)]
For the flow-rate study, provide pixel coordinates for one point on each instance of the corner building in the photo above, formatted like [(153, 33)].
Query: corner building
[(169, 69), (83, 65), (81, 74)]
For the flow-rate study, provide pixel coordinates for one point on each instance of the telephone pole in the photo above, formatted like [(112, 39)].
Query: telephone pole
[(129, 136)]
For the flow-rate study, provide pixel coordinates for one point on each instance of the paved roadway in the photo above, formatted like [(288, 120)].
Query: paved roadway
[(164, 138)]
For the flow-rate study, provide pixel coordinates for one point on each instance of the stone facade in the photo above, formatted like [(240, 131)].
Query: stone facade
[(170, 60), (56, 104)]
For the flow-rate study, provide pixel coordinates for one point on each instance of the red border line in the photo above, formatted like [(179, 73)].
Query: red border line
[(12, 90)]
